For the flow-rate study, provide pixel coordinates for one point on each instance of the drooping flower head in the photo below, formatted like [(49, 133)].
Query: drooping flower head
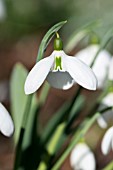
[(110, 73), (107, 101), (6, 123), (101, 65), (61, 71), (107, 116), (107, 141), (82, 158)]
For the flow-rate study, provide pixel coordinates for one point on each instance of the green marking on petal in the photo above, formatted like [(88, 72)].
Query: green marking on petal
[(58, 63)]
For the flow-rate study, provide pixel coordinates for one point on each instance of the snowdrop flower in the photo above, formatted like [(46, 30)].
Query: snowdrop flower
[(82, 158), (6, 124), (110, 73), (61, 71), (107, 141), (106, 117), (100, 67)]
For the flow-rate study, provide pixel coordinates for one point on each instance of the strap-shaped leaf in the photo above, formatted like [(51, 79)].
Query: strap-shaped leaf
[(18, 97), (19, 101), (47, 38)]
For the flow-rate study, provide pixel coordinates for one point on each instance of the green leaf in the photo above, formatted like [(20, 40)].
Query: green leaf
[(18, 102), (30, 123), (61, 115), (44, 93), (18, 97), (76, 138), (77, 107), (60, 133), (47, 38), (53, 123), (109, 166)]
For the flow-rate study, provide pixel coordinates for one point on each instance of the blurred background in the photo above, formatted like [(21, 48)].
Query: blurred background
[(22, 26)]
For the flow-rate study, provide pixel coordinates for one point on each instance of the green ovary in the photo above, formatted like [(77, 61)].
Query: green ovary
[(58, 63)]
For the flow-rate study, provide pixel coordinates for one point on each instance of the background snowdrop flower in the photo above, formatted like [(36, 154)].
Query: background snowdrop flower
[(82, 158), (61, 71), (107, 141), (110, 73), (100, 67), (108, 100), (6, 123), (106, 117)]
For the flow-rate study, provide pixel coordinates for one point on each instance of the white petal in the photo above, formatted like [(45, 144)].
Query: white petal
[(106, 118), (102, 122), (110, 73), (6, 124), (82, 158), (38, 74), (60, 80), (108, 100), (103, 60), (80, 72), (112, 144), (107, 141)]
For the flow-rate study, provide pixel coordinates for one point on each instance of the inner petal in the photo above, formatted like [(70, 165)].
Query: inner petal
[(60, 80), (58, 64)]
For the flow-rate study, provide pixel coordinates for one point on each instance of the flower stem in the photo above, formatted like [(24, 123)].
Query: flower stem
[(22, 132), (74, 141), (109, 166)]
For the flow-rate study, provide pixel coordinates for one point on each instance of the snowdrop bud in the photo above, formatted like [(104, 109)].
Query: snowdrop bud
[(82, 158), (110, 73), (6, 124), (107, 141), (100, 67), (108, 100), (106, 117)]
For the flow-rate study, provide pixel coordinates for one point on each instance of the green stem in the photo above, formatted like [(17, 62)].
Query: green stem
[(109, 166), (27, 111), (22, 132), (74, 141), (51, 147)]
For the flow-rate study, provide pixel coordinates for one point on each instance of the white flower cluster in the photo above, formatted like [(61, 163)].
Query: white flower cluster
[(62, 71), (103, 69)]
